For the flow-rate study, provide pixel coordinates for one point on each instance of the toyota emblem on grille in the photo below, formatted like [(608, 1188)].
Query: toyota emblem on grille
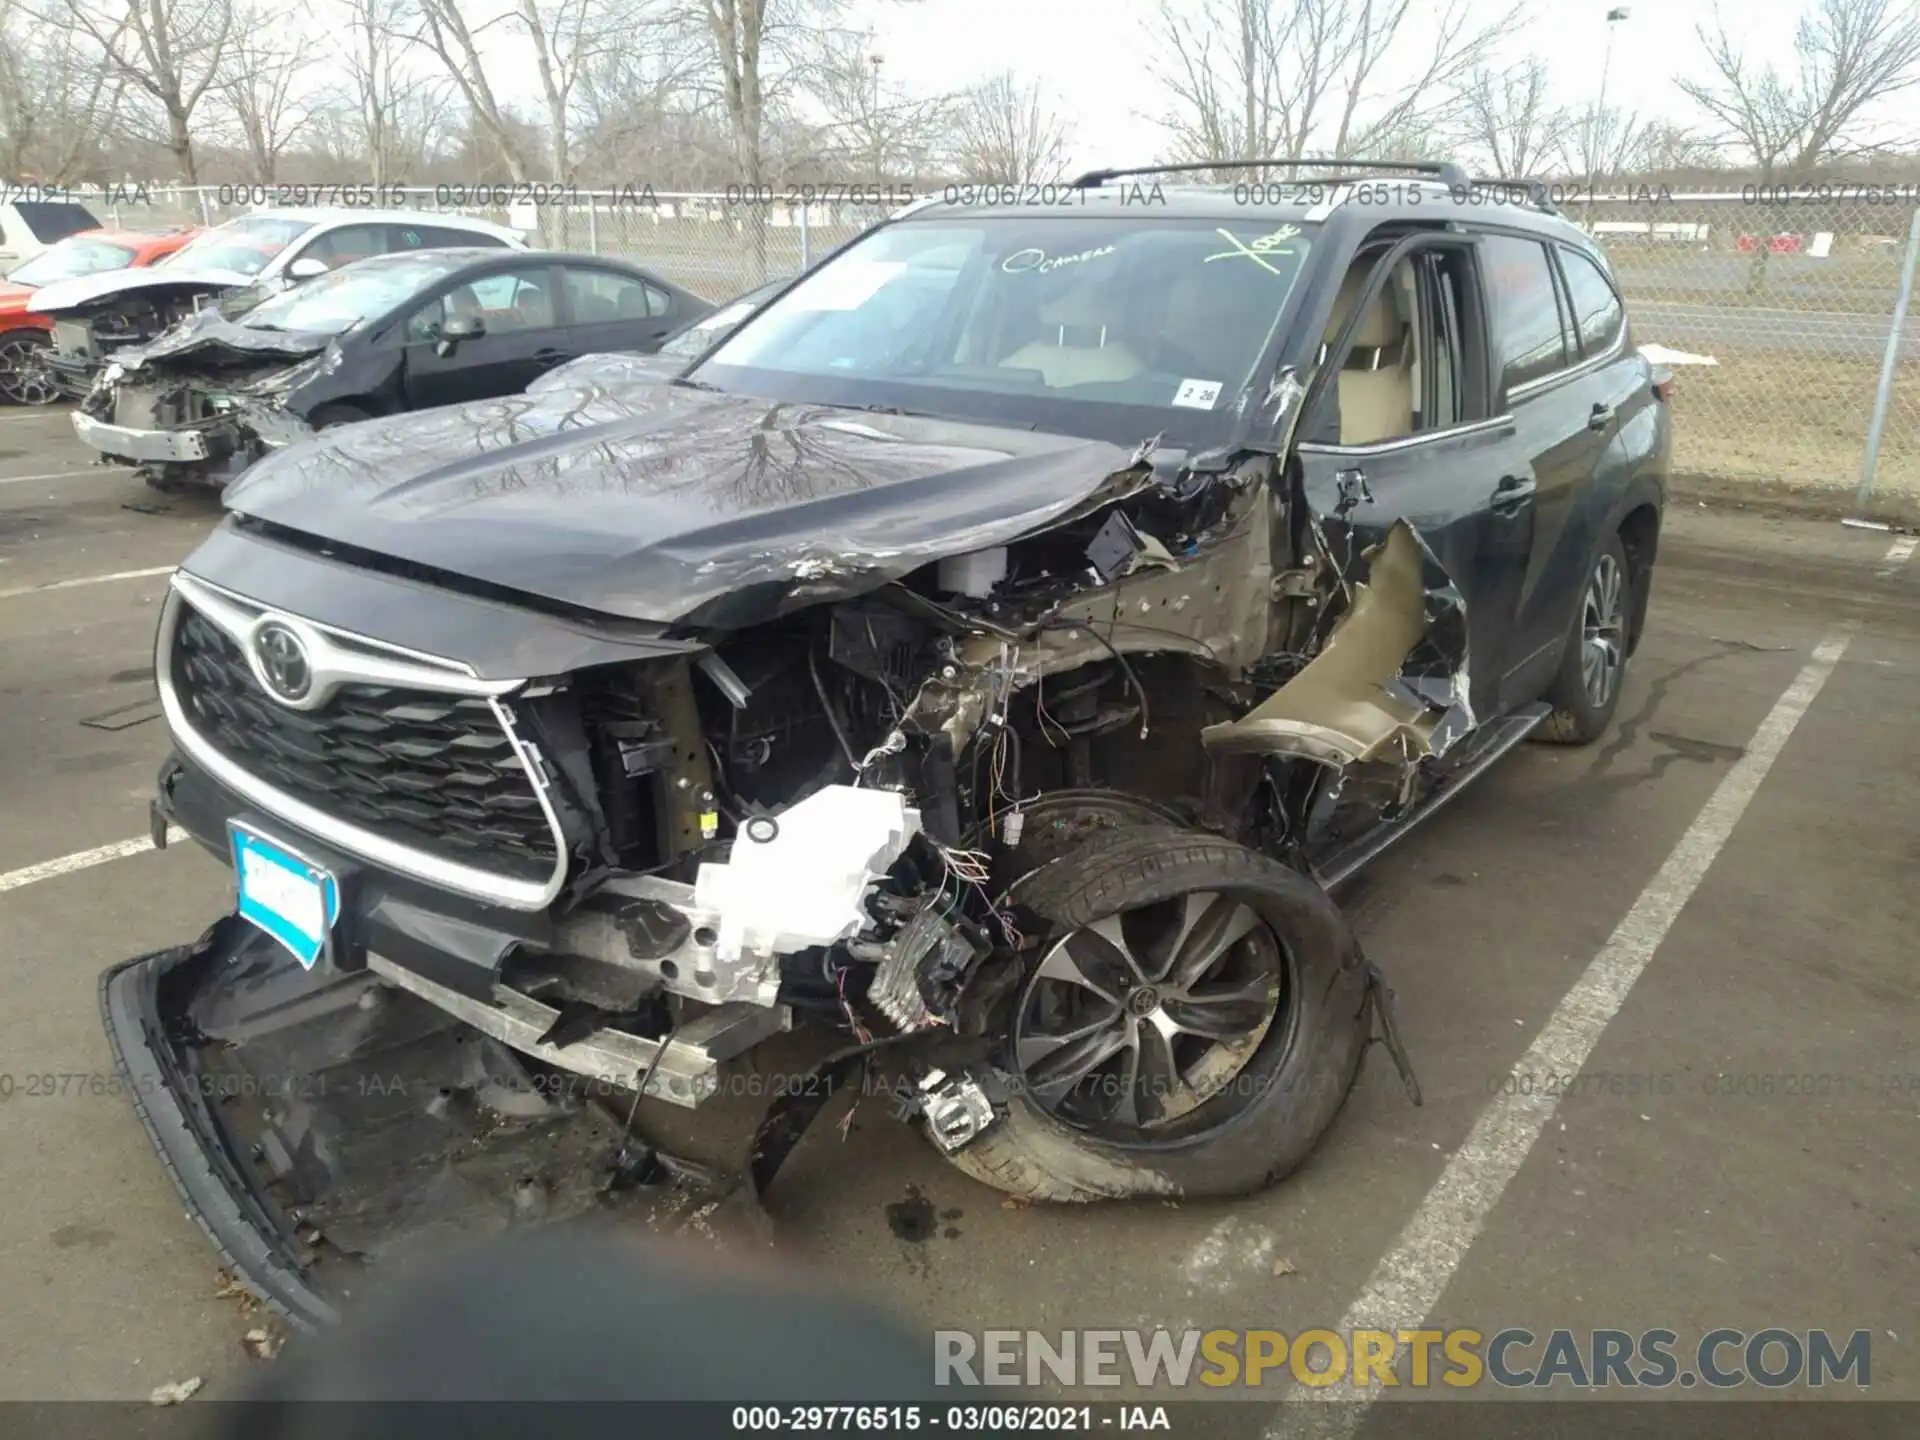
[(280, 660)]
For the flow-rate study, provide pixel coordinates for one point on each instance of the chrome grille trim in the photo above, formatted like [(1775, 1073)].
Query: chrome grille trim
[(357, 659)]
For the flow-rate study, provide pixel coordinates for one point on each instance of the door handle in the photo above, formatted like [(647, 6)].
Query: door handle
[(1600, 417), (1512, 492)]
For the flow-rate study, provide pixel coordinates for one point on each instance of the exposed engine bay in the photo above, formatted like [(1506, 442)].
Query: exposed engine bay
[(200, 398)]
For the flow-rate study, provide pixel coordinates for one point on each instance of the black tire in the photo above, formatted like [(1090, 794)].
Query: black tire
[(24, 376), (328, 416), (1579, 715), (1263, 1119)]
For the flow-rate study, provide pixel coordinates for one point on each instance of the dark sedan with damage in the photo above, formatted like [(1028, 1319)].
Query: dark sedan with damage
[(995, 653), (381, 336)]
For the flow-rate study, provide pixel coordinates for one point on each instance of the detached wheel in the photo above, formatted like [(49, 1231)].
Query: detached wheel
[(1587, 689), (1192, 1024), (24, 376)]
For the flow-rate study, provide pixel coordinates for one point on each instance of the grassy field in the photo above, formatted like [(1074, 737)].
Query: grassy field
[(1800, 420)]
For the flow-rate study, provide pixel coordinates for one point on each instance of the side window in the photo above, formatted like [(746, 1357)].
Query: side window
[(345, 244), (597, 296), (1409, 364), (512, 300), (1529, 341), (441, 236), (1597, 312)]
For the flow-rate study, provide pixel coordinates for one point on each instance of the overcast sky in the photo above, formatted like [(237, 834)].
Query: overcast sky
[(1096, 55)]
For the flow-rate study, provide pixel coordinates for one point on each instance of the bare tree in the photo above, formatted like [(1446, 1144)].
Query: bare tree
[(1511, 117), (57, 101), (569, 37), (1006, 133), (263, 83), (1597, 146), (396, 110), (1253, 78), (1849, 55), (444, 30), (169, 50), (875, 127)]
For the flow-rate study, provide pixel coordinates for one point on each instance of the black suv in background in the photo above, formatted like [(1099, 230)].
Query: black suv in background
[(996, 649)]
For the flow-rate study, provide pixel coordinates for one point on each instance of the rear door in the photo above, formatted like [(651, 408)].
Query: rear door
[(1561, 331), (1403, 426), (523, 338), (614, 310)]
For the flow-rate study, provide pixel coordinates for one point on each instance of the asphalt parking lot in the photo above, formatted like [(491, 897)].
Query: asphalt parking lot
[(1715, 904)]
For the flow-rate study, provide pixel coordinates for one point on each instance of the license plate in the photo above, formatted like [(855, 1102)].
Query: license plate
[(293, 900)]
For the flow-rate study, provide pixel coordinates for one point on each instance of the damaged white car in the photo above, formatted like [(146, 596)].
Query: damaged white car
[(990, 656)]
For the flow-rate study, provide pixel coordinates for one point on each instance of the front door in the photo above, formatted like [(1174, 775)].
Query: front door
[(1404, 429), (521, 338)]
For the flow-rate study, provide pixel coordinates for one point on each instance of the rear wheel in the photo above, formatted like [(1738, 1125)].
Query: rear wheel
[(25, 378), (1190, 1025), (1587, 689)]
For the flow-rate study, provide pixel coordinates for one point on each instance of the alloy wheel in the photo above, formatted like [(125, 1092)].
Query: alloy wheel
[(24, 376), (1133, 1021), (1603, 631)]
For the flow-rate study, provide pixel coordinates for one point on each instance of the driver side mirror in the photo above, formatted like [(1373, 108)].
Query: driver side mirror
[(306, 269), (456, 328)]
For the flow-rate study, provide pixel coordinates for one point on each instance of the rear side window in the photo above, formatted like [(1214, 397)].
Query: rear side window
[(52, 220), (1597, 312), (1528, 340), (597, 296), (446, 236)]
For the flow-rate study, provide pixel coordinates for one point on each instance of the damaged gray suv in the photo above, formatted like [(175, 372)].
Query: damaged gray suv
[(990, 655)]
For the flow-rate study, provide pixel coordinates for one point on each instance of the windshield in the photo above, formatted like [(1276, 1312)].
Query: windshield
[(337, 301), (242, 246), (74, 257), (1067, 323)]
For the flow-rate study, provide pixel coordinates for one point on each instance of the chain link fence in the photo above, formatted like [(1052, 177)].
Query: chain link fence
[(1779, 308)]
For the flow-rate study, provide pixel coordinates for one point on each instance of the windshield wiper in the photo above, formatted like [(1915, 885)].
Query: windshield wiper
[(695, 384)]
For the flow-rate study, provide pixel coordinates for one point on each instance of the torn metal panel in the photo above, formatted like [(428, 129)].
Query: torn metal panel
[(1369, 694)]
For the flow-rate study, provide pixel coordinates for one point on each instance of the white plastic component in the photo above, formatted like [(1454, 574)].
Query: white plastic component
[(974, 574), (804, 885)]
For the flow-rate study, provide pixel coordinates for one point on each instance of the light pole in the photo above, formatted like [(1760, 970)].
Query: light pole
[(1614, 17)]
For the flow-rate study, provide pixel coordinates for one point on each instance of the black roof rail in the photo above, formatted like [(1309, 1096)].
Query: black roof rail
[(1536, 191), (1452, 175)]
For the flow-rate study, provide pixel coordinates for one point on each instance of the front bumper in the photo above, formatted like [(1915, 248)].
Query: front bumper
[(156, 446), (451, 954)]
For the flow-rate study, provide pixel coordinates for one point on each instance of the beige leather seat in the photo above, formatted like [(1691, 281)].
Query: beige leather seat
[(1079, 350), (1376, 385)]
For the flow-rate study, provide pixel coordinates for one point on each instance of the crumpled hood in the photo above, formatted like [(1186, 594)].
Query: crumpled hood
[(85, 289), (208, 333), (666, 503)]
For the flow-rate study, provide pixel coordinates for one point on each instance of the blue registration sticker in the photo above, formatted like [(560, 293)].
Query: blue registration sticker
[(292, 900)]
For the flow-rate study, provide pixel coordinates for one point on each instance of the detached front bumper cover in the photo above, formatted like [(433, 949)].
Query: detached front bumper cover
[(192, 1146), (320, 1124)]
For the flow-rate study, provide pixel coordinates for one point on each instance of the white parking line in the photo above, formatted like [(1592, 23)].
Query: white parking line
[(1409, 1280), (86, 580), (81, 859), (1898, 554), (66, 474)]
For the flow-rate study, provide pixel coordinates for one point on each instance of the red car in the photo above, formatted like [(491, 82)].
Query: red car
[(24, 336)]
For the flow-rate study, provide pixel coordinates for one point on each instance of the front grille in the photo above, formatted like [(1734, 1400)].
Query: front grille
[(428, 770)]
